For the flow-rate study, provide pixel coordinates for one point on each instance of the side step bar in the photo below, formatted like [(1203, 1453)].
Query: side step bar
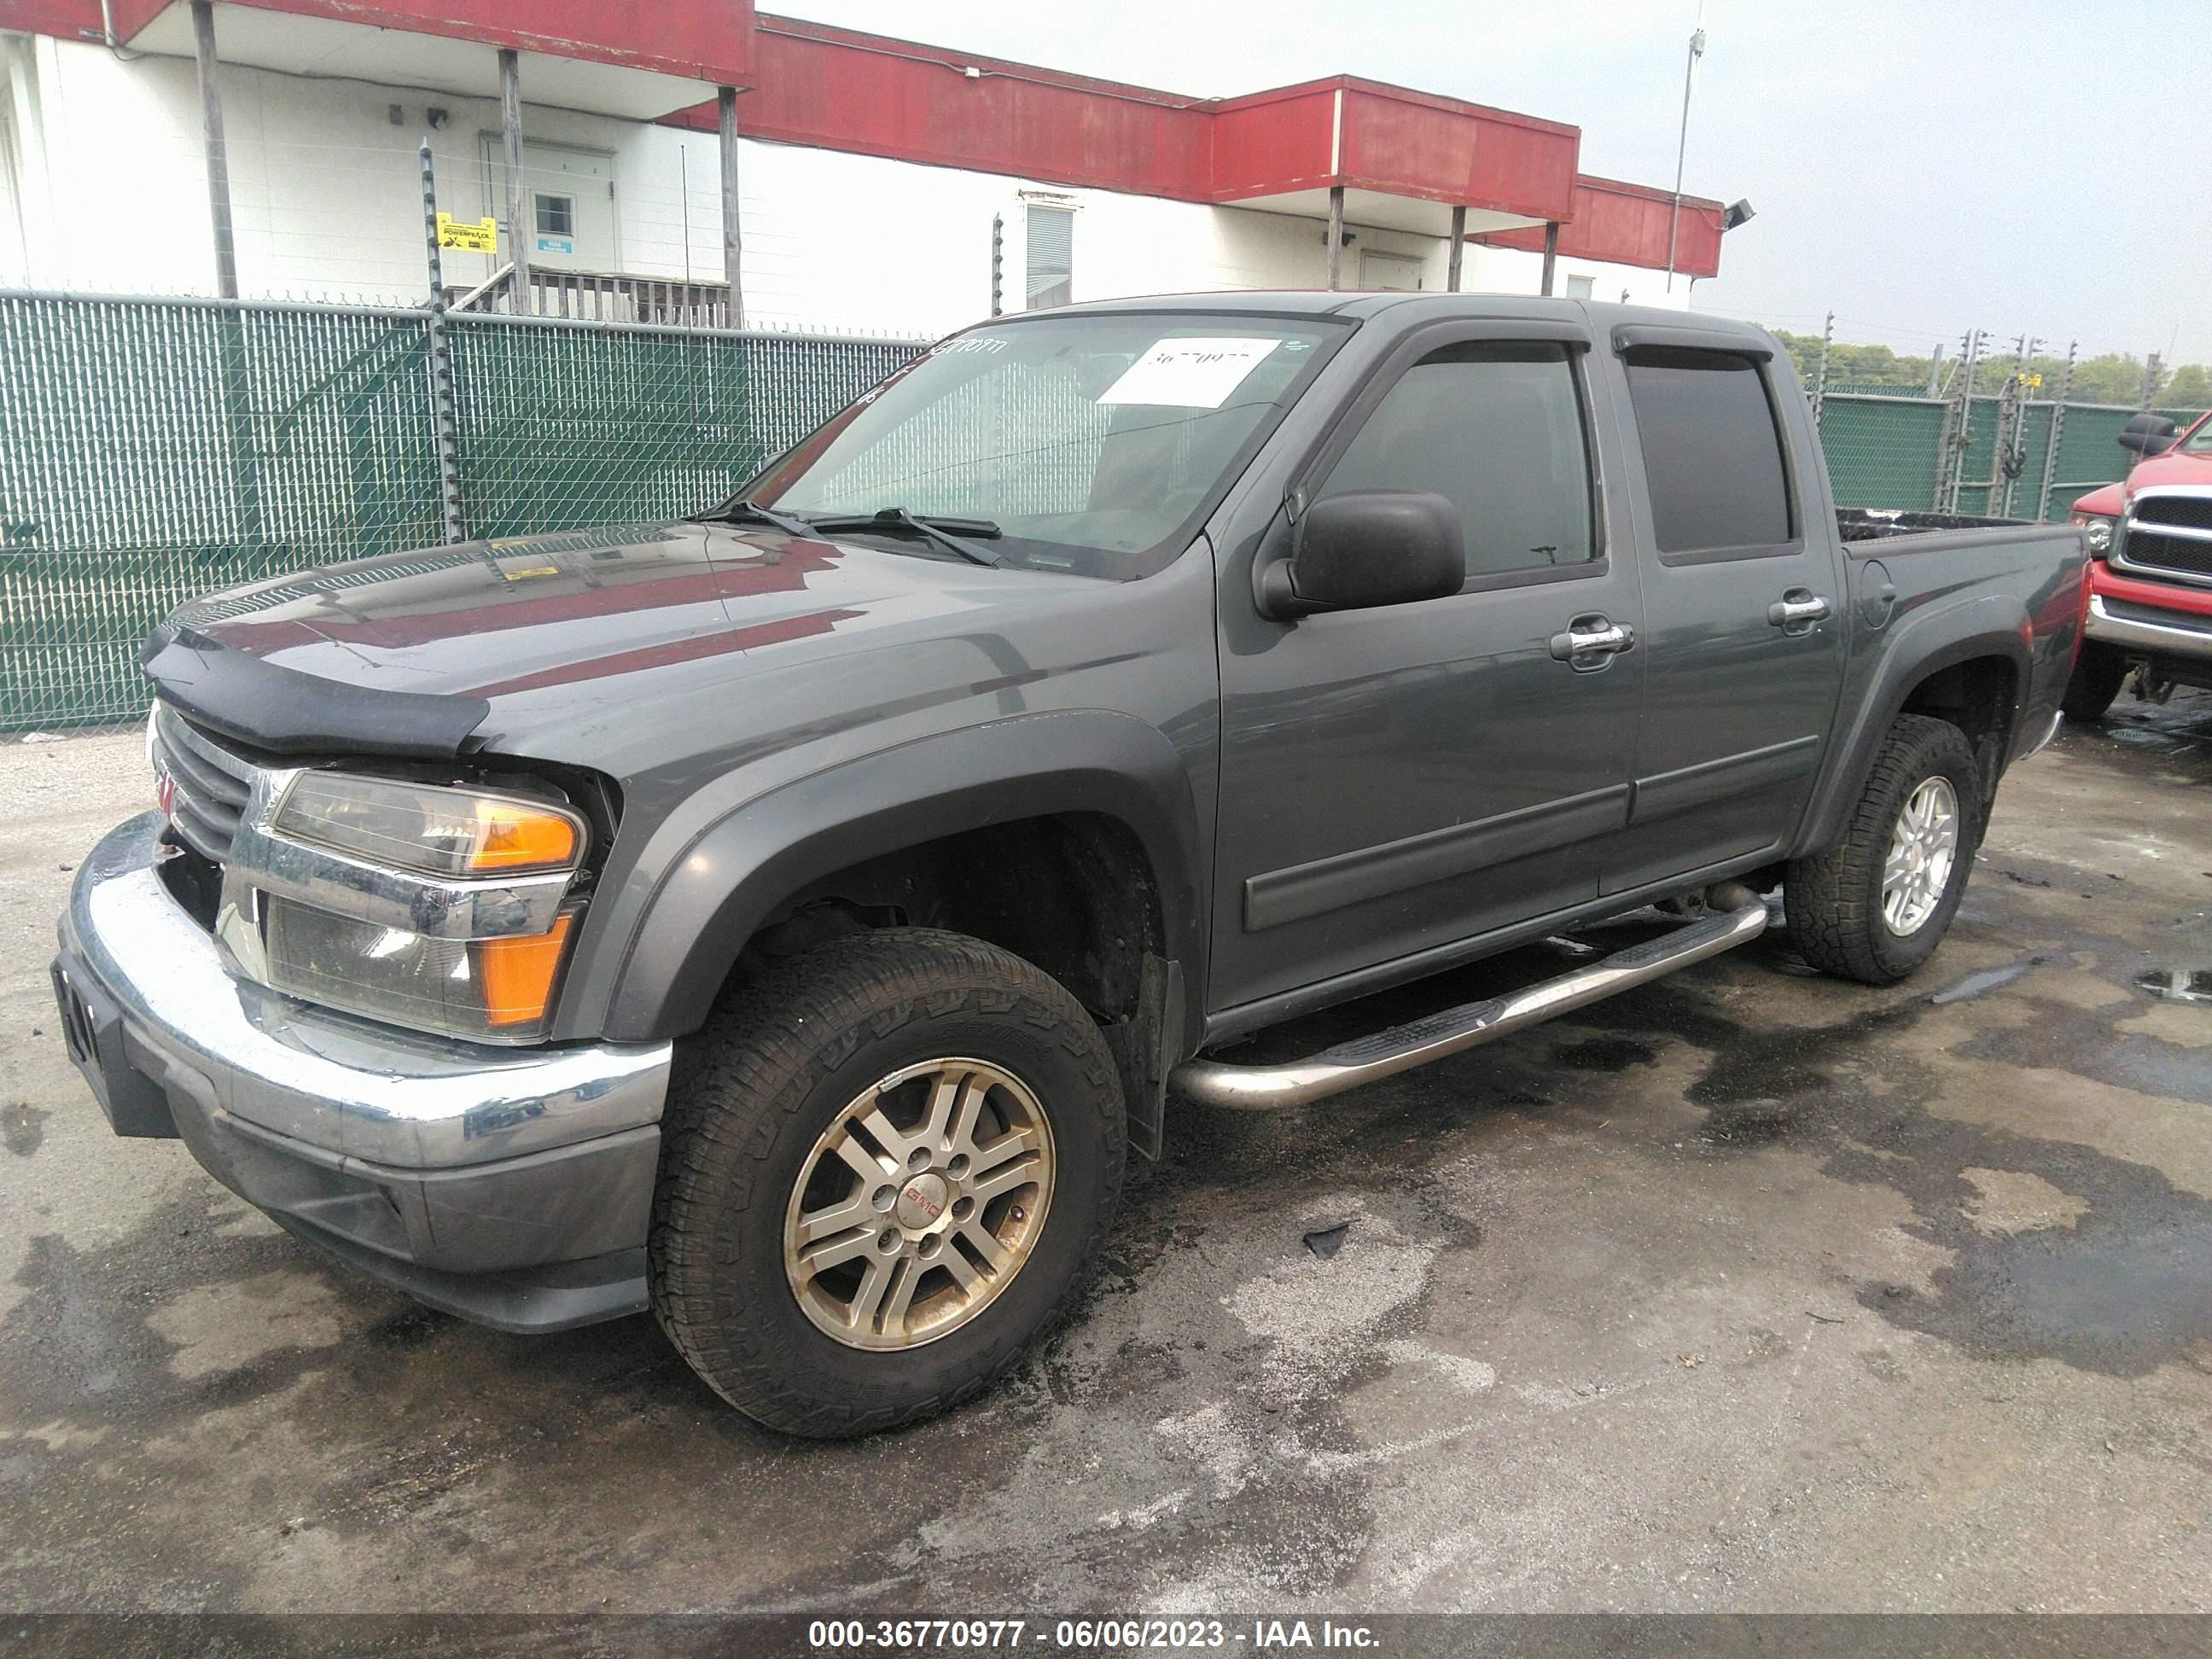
[(1400, 1048)]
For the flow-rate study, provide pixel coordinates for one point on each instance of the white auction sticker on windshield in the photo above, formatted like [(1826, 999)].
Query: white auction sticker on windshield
[(1197, 373)]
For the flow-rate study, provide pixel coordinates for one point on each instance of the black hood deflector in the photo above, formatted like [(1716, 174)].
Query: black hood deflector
[(284, 712)]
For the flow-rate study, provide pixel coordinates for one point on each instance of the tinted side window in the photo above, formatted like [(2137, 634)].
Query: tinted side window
[(1497, 430), (1712, 453)]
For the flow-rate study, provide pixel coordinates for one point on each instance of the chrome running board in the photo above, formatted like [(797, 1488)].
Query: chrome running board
[(1400, 1048)]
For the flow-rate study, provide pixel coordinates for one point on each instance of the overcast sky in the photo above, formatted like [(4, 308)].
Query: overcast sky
[(1918, 168)]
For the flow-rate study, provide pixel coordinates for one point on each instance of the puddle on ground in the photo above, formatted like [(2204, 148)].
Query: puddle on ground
[(2177, 984), (2120, 1295), (1987, 979)]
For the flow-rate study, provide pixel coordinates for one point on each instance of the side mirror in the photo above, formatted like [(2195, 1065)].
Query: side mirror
[(1354, 552), (2147, 434)]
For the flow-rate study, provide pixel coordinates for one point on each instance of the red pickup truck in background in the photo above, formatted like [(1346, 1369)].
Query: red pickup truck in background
[(2150, 581)]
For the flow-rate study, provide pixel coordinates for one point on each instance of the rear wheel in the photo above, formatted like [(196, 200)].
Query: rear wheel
[(2098, 674), (1876, 906), (883, 1170)]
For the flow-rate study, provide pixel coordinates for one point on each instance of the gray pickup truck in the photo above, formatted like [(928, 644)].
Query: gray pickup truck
[(789, 919)]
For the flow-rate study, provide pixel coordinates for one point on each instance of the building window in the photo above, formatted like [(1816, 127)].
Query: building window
[(1051, 257), (1579, 288), (556, 214)]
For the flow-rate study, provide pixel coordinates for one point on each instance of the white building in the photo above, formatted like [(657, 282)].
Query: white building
[(871, 179)]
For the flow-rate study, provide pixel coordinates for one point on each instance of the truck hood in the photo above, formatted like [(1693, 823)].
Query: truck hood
[(493, 643), (2171, 468)]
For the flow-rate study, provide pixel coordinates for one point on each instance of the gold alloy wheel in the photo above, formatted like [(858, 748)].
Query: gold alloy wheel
[(919, 1204)]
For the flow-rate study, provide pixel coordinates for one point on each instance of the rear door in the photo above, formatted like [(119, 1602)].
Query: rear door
[(1395, 781), (1742, 605)]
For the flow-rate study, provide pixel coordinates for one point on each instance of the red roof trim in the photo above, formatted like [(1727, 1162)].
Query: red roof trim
[(819, 85), (1625, 224)]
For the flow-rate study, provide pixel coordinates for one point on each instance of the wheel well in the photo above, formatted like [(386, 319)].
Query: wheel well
[(1981, 697), (1071, 892)]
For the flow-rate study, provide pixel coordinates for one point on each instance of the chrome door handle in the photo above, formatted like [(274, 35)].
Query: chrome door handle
[(1589, 642), (1796, 611)]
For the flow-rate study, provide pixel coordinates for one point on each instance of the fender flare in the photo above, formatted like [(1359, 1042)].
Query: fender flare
[(1994, 625), (718, 891)]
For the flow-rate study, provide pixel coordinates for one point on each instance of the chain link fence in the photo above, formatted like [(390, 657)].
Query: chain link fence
[(153, 450)]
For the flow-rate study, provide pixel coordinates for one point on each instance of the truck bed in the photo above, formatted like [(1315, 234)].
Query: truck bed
[(1867, 524)]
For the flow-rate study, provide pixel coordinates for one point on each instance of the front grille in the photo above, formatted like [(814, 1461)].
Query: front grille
[(2194, 511), (2147, 550), (209, 785)]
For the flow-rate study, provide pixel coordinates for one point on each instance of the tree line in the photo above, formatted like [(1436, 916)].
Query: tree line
[(2113, 378)]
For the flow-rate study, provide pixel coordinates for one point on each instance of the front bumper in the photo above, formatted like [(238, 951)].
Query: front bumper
[(2150, 631), (513, 1187)]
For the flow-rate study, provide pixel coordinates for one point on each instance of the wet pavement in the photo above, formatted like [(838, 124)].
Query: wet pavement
[(1748, 1289)]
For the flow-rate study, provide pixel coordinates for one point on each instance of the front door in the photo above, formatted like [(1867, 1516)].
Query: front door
[(567, 207), (1390, 272), (1742, 610), (1397, 780)]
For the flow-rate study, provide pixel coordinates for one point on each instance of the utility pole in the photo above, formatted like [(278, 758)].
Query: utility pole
[(1935, 371), (2057, 428), (1335, 233), (2011, 459), (217, 153), (1681, 147), (518, 235), (1458, 249), (998, 266), (445, 420), (1959, 427), (725, 109), (1820, 385), (2153, 370)]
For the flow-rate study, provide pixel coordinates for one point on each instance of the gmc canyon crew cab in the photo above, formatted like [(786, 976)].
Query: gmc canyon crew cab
[(788, 919), (2150, 589)]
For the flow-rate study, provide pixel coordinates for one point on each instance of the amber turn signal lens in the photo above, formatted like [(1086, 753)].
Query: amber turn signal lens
[(511, 835), (517, 975)]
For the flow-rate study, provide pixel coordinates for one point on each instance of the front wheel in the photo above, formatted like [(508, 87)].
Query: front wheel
[(2098, 674), (883, 1170), (1876, 906)]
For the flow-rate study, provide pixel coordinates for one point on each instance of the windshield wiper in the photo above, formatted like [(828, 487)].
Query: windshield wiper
[(754, 511), (952, 533)]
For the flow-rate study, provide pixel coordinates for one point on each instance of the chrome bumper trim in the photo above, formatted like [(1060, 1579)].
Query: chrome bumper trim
[(385, 1095), (2162, 637), (2037, 745)]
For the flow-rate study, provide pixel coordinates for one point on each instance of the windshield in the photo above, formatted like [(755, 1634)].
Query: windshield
[(1092, 442), (2199, 440)]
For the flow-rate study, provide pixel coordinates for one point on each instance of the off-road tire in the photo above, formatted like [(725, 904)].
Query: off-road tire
[(753, 1093), (1834, 899), (2098, 673)]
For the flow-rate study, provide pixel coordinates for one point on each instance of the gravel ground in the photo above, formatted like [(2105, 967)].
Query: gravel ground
[(1746, 1290)]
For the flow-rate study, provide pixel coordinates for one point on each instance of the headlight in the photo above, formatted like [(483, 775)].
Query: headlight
[(434, 831), (497, 989), (2100, 531)]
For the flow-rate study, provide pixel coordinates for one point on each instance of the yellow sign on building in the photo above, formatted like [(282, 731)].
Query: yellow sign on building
[(469, 235)]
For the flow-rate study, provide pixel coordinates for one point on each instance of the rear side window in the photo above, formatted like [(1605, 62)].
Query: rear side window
[(1712, 453), (1496, 429)]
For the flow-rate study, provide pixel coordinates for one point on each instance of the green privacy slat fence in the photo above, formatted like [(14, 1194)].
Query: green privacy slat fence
[(1884, 449), (149, 452), (153, 450), (567, 425)]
